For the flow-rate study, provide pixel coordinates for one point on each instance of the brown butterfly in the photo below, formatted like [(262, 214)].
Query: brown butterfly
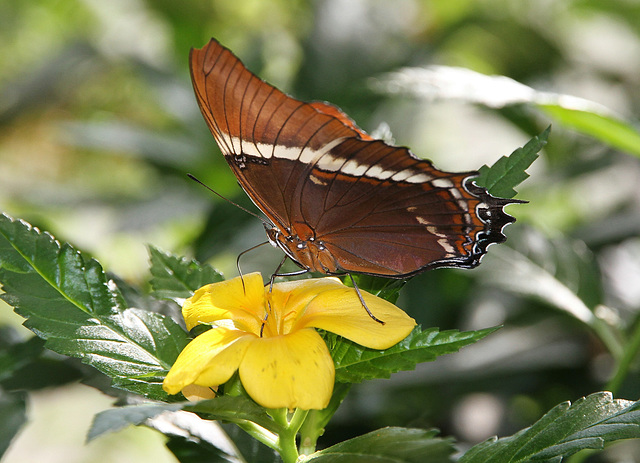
[(340, 201)]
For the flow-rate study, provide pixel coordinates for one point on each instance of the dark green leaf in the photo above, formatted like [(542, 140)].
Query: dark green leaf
[(389, 445), (355, 363), (176, 277), (385, 288), (508, 172), (560, 272), (68, 301), (232, 409), (251, 450), (115, 419), (211, 439), (589, 423), (13, 412), (16, 354)]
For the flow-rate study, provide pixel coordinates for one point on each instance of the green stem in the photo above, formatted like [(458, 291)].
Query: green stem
[(310, 432), (287, 446), (297, 419), (624, 363), (608, 338), (286, 440), (259, 433)]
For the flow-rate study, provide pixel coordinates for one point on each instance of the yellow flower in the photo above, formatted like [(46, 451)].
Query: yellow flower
[(283, 361)]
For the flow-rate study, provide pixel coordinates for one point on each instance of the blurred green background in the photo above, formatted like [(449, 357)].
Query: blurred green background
[(99, 126)]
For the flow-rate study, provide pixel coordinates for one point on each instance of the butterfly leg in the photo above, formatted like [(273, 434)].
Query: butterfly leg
[(364, 304)]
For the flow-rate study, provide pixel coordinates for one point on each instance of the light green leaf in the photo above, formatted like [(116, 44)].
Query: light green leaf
[(355, 363), (443, 82), (589, 423), (605, 127), (178, 277), (68, 301), (389, 445), (508, 172)]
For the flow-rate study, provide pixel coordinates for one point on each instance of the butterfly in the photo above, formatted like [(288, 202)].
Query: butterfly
[(339, 201)]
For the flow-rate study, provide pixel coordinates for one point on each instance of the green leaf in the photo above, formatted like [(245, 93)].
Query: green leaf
[(116, 419), (355, 363), (194, 439), (502, 177), (566, 429), (389, 445), (68, 301), (603, 126), (13, 412), (27, 365), (232, 409), (385, 288), (178, 277), (443, 82), (560, 272)]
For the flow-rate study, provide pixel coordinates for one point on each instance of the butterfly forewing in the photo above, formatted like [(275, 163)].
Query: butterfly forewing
[(342, 201), (267, 137)]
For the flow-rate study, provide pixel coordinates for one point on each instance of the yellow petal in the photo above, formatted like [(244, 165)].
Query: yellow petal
[(193, 393), (292, 371), (289, 299), (209, 360), (228, 300), (340, 311)]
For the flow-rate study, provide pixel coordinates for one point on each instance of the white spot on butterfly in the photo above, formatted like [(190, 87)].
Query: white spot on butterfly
[(442, 183), (403, 175), (379, 173), (353, 168), (316, 180), (330, 163)]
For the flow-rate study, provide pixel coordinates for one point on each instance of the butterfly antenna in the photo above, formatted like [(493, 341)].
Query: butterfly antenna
[(238, 263), (194, 178), (364, 304)]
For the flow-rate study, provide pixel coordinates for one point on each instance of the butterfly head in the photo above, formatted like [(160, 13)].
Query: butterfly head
[(306, 251)]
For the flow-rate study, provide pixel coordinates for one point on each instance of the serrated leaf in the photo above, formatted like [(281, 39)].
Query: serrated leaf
[(355, 363), (385, 288), (68, 301), (191, 438), (221, 408), (389, 445), (508, 172), (566, 429), (585, 116), (115, 419), (178, 277)]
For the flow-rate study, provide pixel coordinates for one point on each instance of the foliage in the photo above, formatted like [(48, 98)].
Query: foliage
[(98, 127)]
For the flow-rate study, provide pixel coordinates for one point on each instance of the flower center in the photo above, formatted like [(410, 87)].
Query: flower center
[(274, 322)]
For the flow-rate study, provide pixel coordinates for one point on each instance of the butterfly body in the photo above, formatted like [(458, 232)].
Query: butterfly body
[(339, 200)]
